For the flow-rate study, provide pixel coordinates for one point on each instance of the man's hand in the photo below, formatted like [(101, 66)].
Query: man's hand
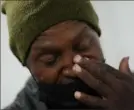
[(115, 86)]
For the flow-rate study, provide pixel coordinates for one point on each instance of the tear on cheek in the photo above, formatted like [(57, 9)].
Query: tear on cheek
[(86, 58), (94, 59)]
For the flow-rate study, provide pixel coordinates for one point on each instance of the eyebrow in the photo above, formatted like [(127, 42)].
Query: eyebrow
[(46, 47)]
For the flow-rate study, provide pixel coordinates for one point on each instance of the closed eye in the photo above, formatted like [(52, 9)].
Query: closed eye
[(49, 59)]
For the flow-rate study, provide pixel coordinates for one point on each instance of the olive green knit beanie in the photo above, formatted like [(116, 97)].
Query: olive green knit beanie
[(28, 18)]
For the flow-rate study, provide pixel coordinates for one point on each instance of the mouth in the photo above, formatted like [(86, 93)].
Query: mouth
[(75, 84), (63, 94), (67, 80)]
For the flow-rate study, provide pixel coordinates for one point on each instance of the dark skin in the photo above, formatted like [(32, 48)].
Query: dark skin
[(71, 49), (116, 86)]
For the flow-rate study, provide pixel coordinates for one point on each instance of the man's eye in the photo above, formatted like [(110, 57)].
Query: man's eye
[(49, 60), (81, 48)]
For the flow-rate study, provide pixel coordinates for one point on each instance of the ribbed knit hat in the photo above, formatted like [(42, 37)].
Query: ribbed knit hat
[(28, 18)]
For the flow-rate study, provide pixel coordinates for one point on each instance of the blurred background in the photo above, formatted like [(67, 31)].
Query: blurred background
[(117, 24)]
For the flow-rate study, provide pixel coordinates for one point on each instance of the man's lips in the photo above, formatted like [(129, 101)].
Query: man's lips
[(78, 85), (67, 80), (64, 92)]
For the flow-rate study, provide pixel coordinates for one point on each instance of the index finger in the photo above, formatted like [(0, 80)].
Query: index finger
[(98, 67)]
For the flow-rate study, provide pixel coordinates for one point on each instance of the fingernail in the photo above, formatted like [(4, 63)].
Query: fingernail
[(77, 58), (77, 68), (77, 94), (127, 57)]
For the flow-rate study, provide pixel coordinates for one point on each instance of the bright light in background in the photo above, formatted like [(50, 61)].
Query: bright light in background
[(116, 21)]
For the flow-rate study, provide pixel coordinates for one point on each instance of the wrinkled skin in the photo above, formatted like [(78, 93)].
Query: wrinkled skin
[(55, 58)]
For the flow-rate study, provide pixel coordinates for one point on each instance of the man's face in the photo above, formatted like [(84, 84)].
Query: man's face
[(53, 51)]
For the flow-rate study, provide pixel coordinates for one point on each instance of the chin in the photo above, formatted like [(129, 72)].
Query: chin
[(62, 95)]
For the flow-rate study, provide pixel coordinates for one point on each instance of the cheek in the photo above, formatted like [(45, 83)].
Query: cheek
[(46, 75)]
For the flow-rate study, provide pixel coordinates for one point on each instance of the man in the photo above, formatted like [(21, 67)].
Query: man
[(58, 41)]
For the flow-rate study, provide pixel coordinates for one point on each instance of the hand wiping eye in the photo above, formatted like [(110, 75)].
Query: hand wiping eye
[(110, 83), (78, 58)]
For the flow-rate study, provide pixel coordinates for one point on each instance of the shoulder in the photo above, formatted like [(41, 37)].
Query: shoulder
[(27, 98)]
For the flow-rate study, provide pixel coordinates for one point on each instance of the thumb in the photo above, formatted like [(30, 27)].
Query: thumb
[(124, 66)]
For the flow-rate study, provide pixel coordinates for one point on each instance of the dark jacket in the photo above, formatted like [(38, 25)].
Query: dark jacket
[(28, 98)]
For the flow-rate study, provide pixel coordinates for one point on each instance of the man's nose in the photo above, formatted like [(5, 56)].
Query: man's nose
[(68, 64)]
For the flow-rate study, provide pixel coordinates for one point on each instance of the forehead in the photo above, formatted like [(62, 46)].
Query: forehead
[(68, 31)]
